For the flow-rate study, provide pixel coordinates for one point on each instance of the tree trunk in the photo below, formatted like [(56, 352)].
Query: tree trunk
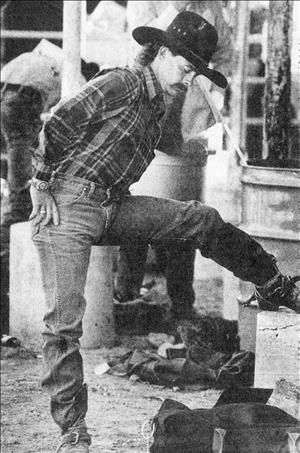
[(277, 109)]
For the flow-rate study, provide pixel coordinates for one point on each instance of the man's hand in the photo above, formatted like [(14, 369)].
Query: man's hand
[(181, 6), (44, 207)]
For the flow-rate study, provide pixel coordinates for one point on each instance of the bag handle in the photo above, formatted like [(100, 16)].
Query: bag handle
[(294, 441), (218, 440)]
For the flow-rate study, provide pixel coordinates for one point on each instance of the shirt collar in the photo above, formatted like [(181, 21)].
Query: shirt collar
[(154, 90)]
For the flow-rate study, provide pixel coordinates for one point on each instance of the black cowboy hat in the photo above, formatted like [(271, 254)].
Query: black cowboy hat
[(192, 37)]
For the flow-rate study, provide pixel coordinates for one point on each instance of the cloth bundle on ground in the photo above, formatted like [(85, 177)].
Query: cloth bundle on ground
[(150, 367), (209, 358), (238, 427)]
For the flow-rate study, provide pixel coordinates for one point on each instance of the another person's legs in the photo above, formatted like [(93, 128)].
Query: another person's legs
[(5, 232), (177, 263), (20, 125), (179, 272), (131, 270)]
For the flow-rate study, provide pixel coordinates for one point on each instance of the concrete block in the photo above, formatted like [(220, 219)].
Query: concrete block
[(277, 348), (98, 321), (27, 301), (247, 322), (286, 396)]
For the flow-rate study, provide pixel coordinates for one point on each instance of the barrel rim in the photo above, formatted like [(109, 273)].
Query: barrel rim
[(276, 169)]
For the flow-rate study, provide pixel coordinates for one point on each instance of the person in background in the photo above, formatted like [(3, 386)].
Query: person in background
[(188, 116), (96, 144), (106, 35), (30, 86)]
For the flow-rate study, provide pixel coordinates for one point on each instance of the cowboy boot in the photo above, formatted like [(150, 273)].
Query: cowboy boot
[(74, 441), (279, 291)]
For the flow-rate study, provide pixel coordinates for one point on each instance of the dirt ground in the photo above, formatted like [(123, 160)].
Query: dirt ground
[(118, 407)]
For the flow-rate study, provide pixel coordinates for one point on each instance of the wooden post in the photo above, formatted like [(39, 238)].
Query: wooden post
[(294, 153), (239, 73), (231, 284), (295, 59), (3, 42), (71, 46), (277, 107)]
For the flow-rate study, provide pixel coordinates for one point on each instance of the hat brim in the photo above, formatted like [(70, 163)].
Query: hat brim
[(143, 35)]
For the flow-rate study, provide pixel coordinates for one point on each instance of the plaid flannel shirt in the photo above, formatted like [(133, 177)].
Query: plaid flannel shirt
[(106, 133)]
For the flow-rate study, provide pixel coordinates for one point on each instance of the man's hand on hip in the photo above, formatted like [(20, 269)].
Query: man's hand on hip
[(44, 207)]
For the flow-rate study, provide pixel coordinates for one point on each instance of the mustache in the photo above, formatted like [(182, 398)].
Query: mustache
[(180, 87)]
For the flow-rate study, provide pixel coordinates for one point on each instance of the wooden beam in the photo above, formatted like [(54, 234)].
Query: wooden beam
[(71, 46), (30, 34), (239, 76), (277, 106)]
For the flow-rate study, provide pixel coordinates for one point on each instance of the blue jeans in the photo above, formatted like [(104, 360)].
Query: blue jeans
[(88, 217)]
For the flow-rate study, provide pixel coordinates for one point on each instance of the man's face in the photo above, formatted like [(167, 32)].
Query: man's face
[(175, 73)]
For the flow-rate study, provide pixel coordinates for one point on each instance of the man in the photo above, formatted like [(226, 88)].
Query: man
[(96, 145), (188, 115), (30, 86)]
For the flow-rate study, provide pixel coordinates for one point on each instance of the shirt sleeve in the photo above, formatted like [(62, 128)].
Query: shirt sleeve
[(100, 99)]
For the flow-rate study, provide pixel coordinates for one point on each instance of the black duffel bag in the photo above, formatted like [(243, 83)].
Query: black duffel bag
[(230, 428)]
